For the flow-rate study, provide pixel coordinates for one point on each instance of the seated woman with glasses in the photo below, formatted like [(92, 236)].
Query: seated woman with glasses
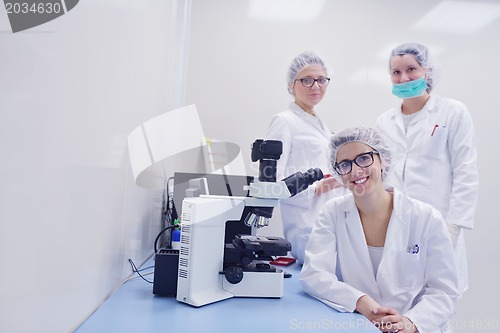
[(305, 139), (376, 251)]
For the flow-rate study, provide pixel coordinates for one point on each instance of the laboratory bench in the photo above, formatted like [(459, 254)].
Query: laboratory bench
[(134, 308)]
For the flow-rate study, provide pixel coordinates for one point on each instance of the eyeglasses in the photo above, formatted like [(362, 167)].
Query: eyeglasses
[(362, 160), (308, 82)]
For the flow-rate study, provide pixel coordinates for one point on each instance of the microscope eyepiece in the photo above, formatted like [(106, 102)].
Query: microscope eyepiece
[(300, 181)]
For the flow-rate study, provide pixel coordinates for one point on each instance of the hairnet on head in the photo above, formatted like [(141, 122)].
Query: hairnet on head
[(303, 60), (423, 57), (366, 135)]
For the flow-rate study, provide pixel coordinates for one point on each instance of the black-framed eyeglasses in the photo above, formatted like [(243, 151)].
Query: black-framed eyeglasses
[(308, 82), (363, 160)]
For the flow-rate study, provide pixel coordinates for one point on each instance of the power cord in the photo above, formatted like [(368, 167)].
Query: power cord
[(167, 219), (167, 212), (159, 235), (138, 271)]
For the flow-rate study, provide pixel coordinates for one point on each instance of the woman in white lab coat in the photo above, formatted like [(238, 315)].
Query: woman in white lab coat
[(432, 140), (376, 251), (305, 139)]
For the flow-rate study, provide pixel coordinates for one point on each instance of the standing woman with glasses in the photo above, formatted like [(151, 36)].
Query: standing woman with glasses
[(433, 142), (375, 250), (305, 139)]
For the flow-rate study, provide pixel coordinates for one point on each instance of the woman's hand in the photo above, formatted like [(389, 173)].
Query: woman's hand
[(366, 306), (389, 320), (327, 184)]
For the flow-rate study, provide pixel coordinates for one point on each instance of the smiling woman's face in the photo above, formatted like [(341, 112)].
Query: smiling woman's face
[(360, 181)]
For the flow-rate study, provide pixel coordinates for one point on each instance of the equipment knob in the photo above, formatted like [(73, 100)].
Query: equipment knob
[(234, 274)]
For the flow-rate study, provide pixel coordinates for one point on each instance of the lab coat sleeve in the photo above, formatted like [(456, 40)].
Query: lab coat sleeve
[(379, 124), (435, 305), (462, 148), (318, 276), (381, 128)]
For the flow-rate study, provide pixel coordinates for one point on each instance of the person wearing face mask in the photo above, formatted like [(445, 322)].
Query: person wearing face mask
[(434, 147), (305, 139), (377, 251)]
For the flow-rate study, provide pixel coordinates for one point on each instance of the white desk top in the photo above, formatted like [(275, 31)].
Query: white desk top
[(134, 308)]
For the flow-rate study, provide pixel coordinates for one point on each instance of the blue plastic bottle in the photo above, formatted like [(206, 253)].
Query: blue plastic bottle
[(176, 236)]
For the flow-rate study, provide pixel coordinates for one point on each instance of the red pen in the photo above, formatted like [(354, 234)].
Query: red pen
[(434, 129)]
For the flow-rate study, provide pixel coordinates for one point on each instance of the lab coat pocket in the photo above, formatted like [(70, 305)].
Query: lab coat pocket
[(409, 270), (435, 144)]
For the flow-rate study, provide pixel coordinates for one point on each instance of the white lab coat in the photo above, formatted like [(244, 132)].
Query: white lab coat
[(422, 286), (437, 164), (306, 140)]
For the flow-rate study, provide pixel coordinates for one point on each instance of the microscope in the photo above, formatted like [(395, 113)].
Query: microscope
[(211, 270)]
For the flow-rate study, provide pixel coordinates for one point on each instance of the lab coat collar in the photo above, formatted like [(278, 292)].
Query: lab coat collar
[(298, 110), (399, 217), (357, 235), (397, 118), (430, 106), (401, 203), (398, 223), (358, 240), (310, 119)]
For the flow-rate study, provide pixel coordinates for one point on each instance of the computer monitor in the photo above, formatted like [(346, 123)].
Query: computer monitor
[(218, 184)]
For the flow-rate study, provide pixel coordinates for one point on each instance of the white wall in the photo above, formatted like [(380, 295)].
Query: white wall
[(71, 91), (236, 78)]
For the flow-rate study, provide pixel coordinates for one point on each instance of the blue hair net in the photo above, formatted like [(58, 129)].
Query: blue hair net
[(303, 60), (366, 135), (423, 57)]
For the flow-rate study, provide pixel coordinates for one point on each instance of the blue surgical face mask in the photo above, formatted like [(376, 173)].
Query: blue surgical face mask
[(410, 89)]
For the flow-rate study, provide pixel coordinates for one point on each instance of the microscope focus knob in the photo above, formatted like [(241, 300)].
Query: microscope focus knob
[(234, 274)]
